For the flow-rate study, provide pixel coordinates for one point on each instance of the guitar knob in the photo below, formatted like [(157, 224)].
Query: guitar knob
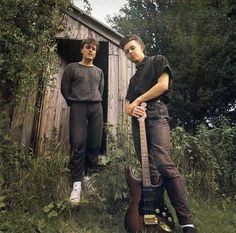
[(157, 211), (169, 219), (164, 214)]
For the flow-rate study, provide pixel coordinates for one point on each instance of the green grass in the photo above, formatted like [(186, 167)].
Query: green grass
[(210, 216), (216, 215)]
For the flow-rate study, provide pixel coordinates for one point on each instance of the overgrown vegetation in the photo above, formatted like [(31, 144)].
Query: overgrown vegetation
[(28, 46), (207, 158), (34, 190)]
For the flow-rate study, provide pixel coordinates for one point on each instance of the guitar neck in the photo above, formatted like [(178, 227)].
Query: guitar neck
[(144, 155)]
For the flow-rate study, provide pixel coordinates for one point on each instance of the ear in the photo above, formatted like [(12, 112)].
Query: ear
[(142, 47)]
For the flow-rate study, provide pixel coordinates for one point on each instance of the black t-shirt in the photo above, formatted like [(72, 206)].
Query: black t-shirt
[(146, 76)]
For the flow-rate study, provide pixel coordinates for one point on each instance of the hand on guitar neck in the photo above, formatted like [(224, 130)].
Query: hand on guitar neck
[(140, 110)]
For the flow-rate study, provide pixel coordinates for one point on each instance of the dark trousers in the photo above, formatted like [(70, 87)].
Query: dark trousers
[(86, 123), (160, 162)]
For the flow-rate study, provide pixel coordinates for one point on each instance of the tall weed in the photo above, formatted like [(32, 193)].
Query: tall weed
[(110, 182), (207, 159)]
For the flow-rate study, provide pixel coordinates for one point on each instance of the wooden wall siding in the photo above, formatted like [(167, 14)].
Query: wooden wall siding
[(113, 83), (122, 82), (64, 112), (120, 72), (126, 69), (63, 130), (76, 30), (23, 119), (53, 116)]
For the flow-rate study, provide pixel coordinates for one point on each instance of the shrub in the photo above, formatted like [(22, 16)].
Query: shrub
[(110, 182), (206, 159)]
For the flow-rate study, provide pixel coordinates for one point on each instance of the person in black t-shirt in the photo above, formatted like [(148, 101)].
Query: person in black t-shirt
[(150, 84), (82, 87)]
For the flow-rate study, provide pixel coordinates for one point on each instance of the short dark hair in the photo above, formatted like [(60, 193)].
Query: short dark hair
[(130, 37), (90, 41)]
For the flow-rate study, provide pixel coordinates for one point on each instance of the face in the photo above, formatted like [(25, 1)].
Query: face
[(89, 51), (134, 51)]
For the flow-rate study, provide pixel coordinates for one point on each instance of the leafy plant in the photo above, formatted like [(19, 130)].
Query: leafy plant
[(207, 158), (54, 209), (110, 182)]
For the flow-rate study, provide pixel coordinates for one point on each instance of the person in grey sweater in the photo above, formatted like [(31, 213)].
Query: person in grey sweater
[(82, 87)]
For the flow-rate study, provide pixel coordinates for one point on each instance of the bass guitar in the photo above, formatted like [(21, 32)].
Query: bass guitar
[(147, 211)]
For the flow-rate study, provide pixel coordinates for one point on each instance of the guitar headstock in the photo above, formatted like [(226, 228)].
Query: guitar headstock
[(143, 117)]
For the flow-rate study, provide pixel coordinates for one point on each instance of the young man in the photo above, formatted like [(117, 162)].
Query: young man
[(82, 87), (150, 84)]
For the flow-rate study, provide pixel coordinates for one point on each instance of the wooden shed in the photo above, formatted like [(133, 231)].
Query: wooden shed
[(35, 129)]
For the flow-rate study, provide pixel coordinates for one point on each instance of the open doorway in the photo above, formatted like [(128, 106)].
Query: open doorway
[(70, 51)]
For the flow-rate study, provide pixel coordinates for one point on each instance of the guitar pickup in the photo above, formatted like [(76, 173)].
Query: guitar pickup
[(150, 219)]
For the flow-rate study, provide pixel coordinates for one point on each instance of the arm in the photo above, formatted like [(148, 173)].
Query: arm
[(158, 89), (65, 84), (101, 85)]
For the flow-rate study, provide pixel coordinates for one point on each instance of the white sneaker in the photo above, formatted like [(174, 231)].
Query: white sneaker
[(75, 194)]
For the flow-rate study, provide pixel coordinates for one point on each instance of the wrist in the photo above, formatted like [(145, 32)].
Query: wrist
[(138, 101)]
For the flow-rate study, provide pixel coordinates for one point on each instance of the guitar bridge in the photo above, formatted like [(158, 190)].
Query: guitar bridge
[(150, 219)]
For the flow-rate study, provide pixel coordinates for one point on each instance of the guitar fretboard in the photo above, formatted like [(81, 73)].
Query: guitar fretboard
[(144, 154)]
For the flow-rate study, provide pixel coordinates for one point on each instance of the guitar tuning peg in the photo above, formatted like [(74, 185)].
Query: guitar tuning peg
[(169, 219)]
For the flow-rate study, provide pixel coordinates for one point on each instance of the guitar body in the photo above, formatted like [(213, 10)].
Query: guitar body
[(134, 217), (133, 220)]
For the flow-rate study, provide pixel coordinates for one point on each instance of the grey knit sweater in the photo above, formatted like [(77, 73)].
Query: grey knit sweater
[(82, 83)]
